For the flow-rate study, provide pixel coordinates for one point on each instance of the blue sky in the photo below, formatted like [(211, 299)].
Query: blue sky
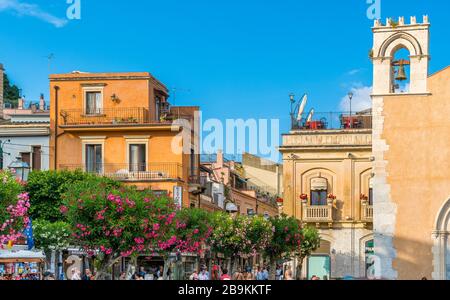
[(236, 59)]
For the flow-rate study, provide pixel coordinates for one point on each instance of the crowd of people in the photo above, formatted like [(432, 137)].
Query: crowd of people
[(246, 273), (217, 273)]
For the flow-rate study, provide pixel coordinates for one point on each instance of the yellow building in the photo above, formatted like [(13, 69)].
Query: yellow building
[(327, 175), (411, 149), (120, 125)]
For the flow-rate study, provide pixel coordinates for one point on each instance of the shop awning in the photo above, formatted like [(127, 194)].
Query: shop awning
[(8, 256)]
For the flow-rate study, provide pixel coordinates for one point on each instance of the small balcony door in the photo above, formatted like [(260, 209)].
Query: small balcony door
[(137, 158), (94, 159), (319, 198), (94, 105)]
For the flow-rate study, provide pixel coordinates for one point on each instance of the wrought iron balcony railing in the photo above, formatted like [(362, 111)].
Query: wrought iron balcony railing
[(107, 116), (132, 172), (333, 120)]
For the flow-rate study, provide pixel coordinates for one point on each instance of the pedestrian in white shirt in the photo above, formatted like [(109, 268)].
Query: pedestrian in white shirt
[(204, 274)]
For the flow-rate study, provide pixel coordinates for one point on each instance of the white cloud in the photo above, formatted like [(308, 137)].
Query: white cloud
[(31, 10), (354, 72), (361, 99)]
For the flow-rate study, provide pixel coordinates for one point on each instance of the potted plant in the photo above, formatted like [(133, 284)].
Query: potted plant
[(364, 199), (331, 198), (304, 198)]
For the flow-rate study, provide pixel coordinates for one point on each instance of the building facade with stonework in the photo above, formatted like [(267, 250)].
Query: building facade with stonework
[(327, 173), (411, 143)]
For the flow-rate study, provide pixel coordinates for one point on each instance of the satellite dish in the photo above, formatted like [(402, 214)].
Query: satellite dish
[(302, 107), (310, 116)]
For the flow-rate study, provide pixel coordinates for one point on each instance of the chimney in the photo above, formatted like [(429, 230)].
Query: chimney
[(42, 103), (21, 102), (219, 160), (1, 91)]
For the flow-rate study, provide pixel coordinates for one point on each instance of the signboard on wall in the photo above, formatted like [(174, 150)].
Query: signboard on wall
[(178, 195)]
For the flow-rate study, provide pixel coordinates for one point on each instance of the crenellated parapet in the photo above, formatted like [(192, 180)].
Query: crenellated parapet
[(390, 22)]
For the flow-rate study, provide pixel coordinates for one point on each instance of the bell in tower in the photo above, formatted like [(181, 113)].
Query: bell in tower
[(401, 73)]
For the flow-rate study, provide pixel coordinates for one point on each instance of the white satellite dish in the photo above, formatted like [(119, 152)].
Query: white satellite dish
[(310, 116), (302, 107)]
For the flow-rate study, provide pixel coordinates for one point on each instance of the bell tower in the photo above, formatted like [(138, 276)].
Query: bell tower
[(388, 40)]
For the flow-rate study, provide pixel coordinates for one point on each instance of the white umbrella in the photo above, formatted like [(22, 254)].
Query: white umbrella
[(302, 107), (310, 116)]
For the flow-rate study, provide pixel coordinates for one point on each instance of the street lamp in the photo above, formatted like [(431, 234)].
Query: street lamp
[(350, 97), (20, 168)]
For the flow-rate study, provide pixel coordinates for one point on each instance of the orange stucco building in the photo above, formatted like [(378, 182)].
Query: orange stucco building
[(120, 125), (411, 157)]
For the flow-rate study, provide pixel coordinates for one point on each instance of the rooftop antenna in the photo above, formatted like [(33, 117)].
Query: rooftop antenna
[(175, 90), (49, 58)]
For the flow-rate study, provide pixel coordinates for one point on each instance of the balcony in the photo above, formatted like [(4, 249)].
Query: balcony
[(317, 213), (333, 121), (107, 117), (367, 212), (132, 172)]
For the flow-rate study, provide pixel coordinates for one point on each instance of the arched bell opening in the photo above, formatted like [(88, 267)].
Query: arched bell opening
[(400, 70)]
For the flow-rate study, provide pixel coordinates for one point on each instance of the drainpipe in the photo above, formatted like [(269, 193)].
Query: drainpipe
[(56, 127)]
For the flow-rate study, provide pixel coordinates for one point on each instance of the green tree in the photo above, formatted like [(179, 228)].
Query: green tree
[(50, 236), (286, 240), (46, 188), (11, 93), (310, 243), (240, 236)]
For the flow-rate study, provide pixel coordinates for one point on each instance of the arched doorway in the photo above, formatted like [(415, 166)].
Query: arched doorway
[(319, 263), (441, 244)]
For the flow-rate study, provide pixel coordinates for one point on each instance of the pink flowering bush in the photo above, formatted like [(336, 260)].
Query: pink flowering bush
[(114, 222), (14, 206)]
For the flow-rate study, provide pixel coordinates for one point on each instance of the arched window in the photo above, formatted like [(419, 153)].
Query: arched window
[(319, 191)]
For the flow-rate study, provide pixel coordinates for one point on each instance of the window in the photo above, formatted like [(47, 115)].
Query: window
[(137, 158), (157, 108), (320, 266), (319, 197), (371, 191), (36, 158), (94, 159), (94, 105), (319, 191), (26, 158)]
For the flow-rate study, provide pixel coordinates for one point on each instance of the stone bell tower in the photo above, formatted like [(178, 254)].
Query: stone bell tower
[(387, 40), (391, 37)]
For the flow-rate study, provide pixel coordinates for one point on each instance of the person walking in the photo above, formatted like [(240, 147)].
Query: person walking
[(194, 275), (75, 274), (87, 275), (259, 274), (288, 273), (204, 274), (279, 273), (225, 275), (248, 274)]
